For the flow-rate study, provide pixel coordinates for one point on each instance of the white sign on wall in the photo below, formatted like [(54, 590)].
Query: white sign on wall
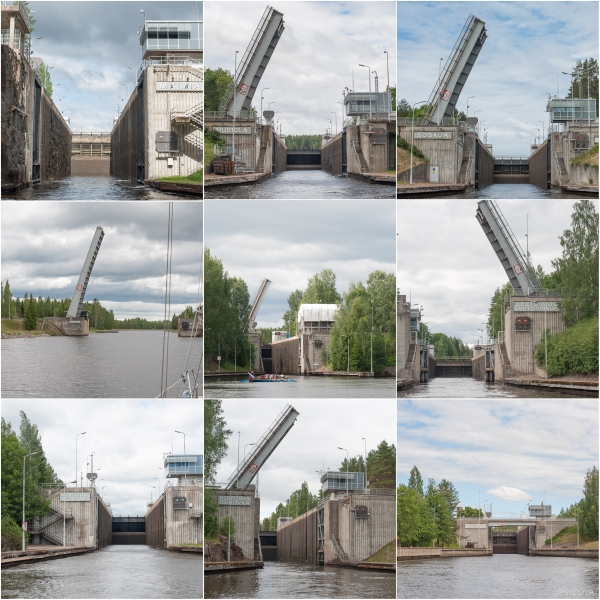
[(235, 500), (236, 130), (178, 86), (75, 497), (536, 307), (433, 135), (475, 526)]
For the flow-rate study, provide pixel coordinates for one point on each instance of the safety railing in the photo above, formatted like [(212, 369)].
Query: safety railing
[(363, 168), (538, 292), (242, 115), (25, 13), (169, 60)]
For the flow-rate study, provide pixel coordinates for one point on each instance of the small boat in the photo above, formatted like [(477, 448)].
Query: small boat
[(269, 379)]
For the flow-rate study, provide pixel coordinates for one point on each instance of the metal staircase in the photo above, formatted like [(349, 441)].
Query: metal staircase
[(254, 62), (338, 548), (56, 514), (562, 168), (359, 157), (191, 115), (86, 272)]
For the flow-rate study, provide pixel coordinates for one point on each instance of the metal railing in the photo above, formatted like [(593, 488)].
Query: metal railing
[(242, 115), (90, 133), (169, 60), (22, 9), (417, 121), (192, 114), (363, 168), (466, 178), (537, 292)]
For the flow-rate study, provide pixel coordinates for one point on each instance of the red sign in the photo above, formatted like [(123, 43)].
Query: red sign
[(243, 89), (79, 287), (253, 468), (219, 358), (477, 347), (24, 525), (517, 269), (446, 95)]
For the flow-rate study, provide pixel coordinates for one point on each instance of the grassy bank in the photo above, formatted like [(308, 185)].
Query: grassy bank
[(568, 536), (17, 326), (213, 367), (386, 554), (573, 351), (193, 179), (589, 158)]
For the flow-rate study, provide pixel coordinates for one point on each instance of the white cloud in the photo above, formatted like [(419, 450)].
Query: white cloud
[(510, 493)]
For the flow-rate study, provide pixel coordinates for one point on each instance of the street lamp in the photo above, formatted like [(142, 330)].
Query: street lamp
[(468, 105), (184, 453), (345, 336), (346, 468), (343, 112), (366, 483), (23, 522), (219, 338), (412, 136), (368, 67), (387, 63), (76, 455), (437, 99), (334, 113), (261, 99), (543, 130), (233, 130), (252, 444)]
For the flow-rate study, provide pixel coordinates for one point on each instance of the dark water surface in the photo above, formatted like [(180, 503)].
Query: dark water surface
[(292, 580), (102, 365), (303, 387), (91, 187), (467, 387), (518, 191), (304, 184), (498, 576), (113, 572)]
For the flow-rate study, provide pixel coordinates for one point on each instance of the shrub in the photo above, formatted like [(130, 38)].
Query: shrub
[(11, 534), (402, 143), (225, 530), (574, 350)]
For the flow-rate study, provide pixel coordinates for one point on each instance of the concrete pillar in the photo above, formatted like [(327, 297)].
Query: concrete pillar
[(11, 37)]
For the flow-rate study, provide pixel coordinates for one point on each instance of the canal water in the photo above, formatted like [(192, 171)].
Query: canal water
[(303, 387), (113, 572), (102, 365), (517, 191), (91, 187), (467, 387), (498, 576), (304, 184), (292, 580)]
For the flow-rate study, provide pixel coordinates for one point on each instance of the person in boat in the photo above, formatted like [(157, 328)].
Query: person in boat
[(251, 376)]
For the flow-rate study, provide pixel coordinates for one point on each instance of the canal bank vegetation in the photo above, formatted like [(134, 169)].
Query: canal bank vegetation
[(215, 448), (445, 345), (381, 473), (226, 316), (211, 139), (425, 516), (586, 510), (193, 179), (304, 142), (589, 158), (37, 472)]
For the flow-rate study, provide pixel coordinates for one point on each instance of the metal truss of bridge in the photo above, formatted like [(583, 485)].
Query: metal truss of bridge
[(455, 73)]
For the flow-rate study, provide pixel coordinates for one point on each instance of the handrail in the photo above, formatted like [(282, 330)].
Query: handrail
[(363, 169)]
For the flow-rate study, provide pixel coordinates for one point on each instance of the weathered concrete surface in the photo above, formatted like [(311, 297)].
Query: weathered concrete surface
[(331, 155), (193, 327), (478, 367), (297, 540), (402, 336), (90, 153), (285, 356), (184, 526), (33, 554), (155, 523), (90, 165), (245, 517), (52, 145), (566, 552), (126, 141), (485, 165), (420, 173), (314, 350), (128, 538), (279, 154), (68, 325)]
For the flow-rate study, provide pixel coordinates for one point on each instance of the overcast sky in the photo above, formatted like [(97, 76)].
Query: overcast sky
[(311, 445), (446, 261), (90, 46), (529, 45), (288, 242), (44, 245), (128, 439), (511, 451), (322, 44)]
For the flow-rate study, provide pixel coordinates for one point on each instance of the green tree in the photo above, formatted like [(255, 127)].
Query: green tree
[(321, 289), (216, 84), (393, 97), (304, 142), (30, 322), (496, 320), (404, 108), (470, 513), (584, 82), (227, 528), (381, 466), (44, 75), (211, 514), (8, 306), (415, 481), (577, 268), (588, 513), (215, 438), (290, 317)]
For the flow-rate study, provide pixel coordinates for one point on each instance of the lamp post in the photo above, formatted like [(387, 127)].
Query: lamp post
[(76, 455), (438, 99), (387, 64), (368, 67), (23, 522), (468, 105), (346, 467), (543, 130), (252, 444), (233, 130), (366, 482), (343, 113), (261, 99), (219, 355), (334, 113), (184, 453), (412, 136), (235, 348), (345, 336)]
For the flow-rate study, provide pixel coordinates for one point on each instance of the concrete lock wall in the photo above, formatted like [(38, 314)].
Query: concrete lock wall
[(297, 540), (331, 155), (475, 531), (256, 341), (68, 325), (420, 173), (402, 335), (563, 147), (155, 523), (538, 166), (445, 153), (195, 328), (245, 519), (485, 164), (521, 345), (247, 138), (104, 524), (124, 141), (90, 154), (279, 155), (314, 348), (81, 522), (183, 526), (478, 367), (19, 84), (285, 356)]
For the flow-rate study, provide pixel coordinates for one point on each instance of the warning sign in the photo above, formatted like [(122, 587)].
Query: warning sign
[(243, 89), (79, 287), (253, 468), (446, 95), (517, 269)]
